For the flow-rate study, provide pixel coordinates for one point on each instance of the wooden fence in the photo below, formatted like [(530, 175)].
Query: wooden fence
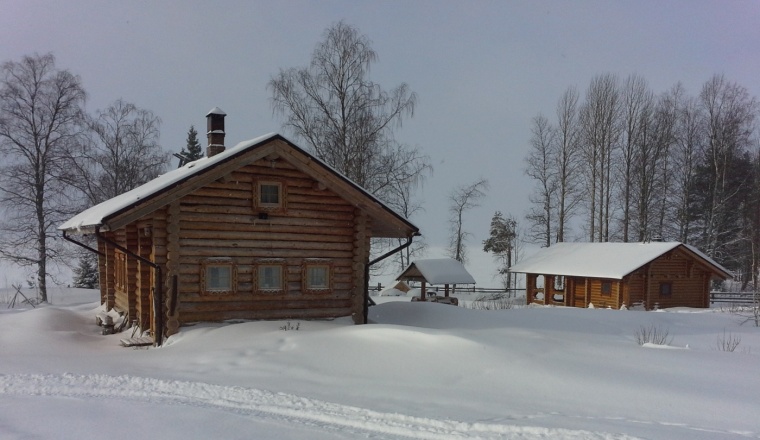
[(734, 297), (467, 289)]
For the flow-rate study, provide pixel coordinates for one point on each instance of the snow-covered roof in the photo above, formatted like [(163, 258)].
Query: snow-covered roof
[(438, 271), (95, 216), (599, 260), (216, 111)]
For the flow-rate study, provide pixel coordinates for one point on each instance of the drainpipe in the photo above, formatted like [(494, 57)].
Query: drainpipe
[(158, 298), (367, 299)]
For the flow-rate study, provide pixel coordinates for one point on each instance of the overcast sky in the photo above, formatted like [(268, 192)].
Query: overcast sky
[(481, 69)]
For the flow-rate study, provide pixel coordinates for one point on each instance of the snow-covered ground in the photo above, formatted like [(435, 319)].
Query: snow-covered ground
[(421, 370)]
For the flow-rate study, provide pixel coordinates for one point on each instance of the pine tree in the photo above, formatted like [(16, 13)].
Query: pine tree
[(193, 150), (501, 243), (86, 274)]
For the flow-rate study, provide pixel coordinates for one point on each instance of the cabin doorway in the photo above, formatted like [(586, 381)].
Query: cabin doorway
[(579, 295)]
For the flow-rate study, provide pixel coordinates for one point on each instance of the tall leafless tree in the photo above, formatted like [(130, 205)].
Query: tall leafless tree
[(122, 153), (462, 199), (346, 119), (599, 119), (637, 101), (404, 203), (41, 114), (689, 148), (541, 167), (666, 121), (567, 160), (729, 123)]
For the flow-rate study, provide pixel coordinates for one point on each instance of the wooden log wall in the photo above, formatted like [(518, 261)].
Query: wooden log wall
[(158, 256), (221, 220), (636, 288), (111, 271), (103, 275), (144, 271), (172, 266), (687, 278), (361, 248), (131, 271)]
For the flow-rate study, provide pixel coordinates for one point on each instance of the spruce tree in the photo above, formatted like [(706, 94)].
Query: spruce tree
[(193, 150), (86, 274)]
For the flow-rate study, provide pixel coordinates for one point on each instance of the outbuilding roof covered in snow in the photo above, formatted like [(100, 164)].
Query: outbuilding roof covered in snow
[(437, 271), (604, 260)]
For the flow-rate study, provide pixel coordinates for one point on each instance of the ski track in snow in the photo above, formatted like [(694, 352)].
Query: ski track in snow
[(279, 406), (288, 407)]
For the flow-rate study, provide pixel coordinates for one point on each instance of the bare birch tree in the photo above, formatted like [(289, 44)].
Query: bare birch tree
[(729, 123), (599, 119), (567, 160), (541, 167), (41, 113), (462, 199), (636, 104), (122, 153), (346, 119), (687, 152)]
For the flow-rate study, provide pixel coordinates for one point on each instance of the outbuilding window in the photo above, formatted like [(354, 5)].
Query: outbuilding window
[(607, 288), (559, 283), (666, 288)]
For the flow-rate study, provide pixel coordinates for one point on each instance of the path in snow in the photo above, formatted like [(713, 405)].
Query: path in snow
[(279, 406)]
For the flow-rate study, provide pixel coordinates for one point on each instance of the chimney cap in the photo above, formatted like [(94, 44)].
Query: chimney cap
[(216, 111)]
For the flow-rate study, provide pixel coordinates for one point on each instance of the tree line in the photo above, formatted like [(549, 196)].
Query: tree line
[(60, 160), (624, 163)]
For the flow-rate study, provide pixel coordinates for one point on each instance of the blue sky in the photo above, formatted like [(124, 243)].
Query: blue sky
[(482, 69)]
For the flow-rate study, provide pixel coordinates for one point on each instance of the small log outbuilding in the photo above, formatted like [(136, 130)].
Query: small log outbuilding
[(654, 275), (262, 230), (436, 271)]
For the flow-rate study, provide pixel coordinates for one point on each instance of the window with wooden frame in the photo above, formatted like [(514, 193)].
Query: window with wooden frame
[(270, 276), (218, 277), (120, 270), (666, 288), (607, 288), (269, 195), (317, 276), (559, 283)]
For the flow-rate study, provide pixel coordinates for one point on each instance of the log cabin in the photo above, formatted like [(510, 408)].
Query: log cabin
[(616, 275), (262, 230)]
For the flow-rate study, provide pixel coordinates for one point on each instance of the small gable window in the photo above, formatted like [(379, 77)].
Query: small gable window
[(269, 195)]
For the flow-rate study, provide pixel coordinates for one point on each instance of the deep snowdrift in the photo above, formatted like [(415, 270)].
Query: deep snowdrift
[(419, 371)]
